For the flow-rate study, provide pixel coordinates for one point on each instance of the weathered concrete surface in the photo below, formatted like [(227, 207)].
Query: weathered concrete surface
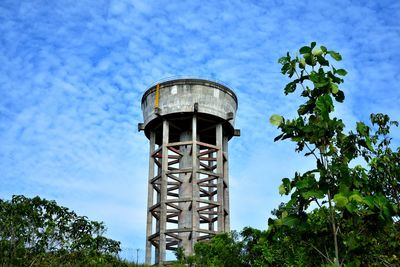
[(180, 96)]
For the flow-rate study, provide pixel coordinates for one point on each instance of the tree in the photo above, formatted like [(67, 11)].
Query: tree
[(339, 213), (223, 250), (255, 252), (38, 232), (355, 202)]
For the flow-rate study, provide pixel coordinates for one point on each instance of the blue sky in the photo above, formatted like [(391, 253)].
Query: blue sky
[(72, 74)]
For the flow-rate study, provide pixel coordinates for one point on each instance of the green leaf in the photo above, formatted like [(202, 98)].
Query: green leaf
[(313, 44), (335, 88), (305, 49), (321, 84), (278, 137), (282, 189), (290, 220), (357, 198), (368, 143), (313, 194), (336, 56), (340, 200), (285, 187), (278, 222), (283, 60), (302, 63), (308, 182), (317, 52), (292, 68), (290, 88), (341, 72), (276, 120), (339, 96), (319, 79), (304, 109), (351, 207), (310, 60), (369, 200), (362, 129), (271, 221), (321, 60), (324, 105)]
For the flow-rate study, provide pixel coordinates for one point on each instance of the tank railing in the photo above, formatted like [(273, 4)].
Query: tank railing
[(177, 77)]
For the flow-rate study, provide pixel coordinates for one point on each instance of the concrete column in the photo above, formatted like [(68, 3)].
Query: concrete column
[(150, 198), (164, 180), (157, 250), (211, 198), (226, 189), (195, 187), (220, 183), (185, 191)]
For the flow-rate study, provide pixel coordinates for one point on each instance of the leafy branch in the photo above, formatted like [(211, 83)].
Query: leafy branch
[(346, 191)]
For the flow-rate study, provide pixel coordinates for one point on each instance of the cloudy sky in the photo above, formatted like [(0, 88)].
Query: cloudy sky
[(72, 74)]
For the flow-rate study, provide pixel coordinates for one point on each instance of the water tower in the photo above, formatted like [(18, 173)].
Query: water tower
[(188, 123)]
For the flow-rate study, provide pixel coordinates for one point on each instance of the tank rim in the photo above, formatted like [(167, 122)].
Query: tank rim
[(158, 121), (191, 81)]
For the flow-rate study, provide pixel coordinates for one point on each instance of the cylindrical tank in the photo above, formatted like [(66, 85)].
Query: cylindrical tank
[(188, 123)]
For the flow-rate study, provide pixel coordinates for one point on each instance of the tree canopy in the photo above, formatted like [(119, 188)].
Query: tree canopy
[(356, 204), (339, 213), (38, 232)]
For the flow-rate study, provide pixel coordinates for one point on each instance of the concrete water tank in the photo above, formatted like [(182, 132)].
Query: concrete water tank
[(188, 123)]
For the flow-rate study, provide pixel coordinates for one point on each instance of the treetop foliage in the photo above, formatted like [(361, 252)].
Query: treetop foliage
[(38, 232), (349, 200), (338, 214)]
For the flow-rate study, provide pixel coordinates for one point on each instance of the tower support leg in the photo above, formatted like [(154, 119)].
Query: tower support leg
[(149, 224)]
